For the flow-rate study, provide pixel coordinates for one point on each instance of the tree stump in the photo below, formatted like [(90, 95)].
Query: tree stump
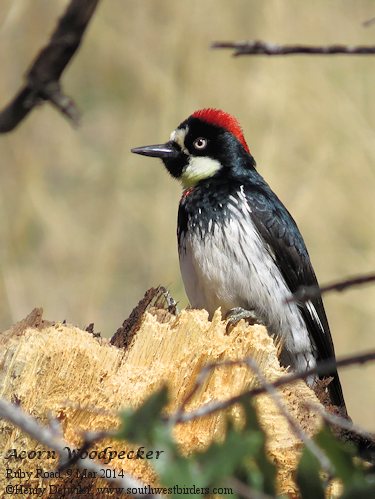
[(57, 370)]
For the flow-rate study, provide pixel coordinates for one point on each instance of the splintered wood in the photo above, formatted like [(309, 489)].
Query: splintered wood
[(60, 371)]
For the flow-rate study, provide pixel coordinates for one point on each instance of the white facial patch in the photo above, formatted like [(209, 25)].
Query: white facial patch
[(199, 168), (178, 136)]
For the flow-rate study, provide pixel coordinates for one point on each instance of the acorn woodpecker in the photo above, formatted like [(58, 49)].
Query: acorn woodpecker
[(239, 247)]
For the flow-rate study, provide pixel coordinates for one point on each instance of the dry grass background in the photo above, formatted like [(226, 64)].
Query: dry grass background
[(86, 227)]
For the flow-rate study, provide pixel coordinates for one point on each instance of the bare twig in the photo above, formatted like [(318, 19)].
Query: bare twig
[(202, 376), (339, 421), (43, 78), (258, 47), (364, 440), (268, 388), (89, 439), (368, 22), (322, 368), (55, 426), (305, 293), (47, 437)]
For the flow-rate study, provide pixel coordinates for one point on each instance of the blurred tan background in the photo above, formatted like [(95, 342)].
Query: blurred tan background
[(86, 227)]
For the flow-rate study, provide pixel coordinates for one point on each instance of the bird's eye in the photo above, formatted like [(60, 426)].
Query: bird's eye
[(200, 143)]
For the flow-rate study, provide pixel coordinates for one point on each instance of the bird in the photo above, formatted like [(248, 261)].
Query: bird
[(239, 247)]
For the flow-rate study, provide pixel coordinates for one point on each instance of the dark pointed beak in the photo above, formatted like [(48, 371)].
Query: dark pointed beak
[(169, 150)]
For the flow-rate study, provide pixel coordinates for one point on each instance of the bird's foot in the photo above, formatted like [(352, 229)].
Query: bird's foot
[(234, 315)]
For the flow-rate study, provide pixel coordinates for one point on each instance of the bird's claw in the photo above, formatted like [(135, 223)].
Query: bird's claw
[(234, 315)]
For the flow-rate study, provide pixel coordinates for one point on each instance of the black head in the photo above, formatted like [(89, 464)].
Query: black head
[(209, 143)]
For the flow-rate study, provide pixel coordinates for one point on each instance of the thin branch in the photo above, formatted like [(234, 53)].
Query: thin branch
[(258, 47), (201, 378), (48, 437), (43, 77), (322, 368), (305, 293), (368, 22), (268, 388), (339, 421), (364, 440), (89, 439)]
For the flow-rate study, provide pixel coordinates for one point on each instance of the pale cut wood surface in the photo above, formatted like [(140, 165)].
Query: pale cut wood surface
[(61, 371)]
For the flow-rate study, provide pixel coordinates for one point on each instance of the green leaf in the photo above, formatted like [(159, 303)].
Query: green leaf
[(308, 479), (172, 464), (224, 458), (139, 425), (178, 470), (264, 479), (340, 455), (364, 491), (242, 453), (357, 482)]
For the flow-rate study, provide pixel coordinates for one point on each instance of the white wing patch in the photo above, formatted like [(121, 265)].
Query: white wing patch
[(314, 314)]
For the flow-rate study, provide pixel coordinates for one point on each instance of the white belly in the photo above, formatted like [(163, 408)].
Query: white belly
[(231, 268)]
